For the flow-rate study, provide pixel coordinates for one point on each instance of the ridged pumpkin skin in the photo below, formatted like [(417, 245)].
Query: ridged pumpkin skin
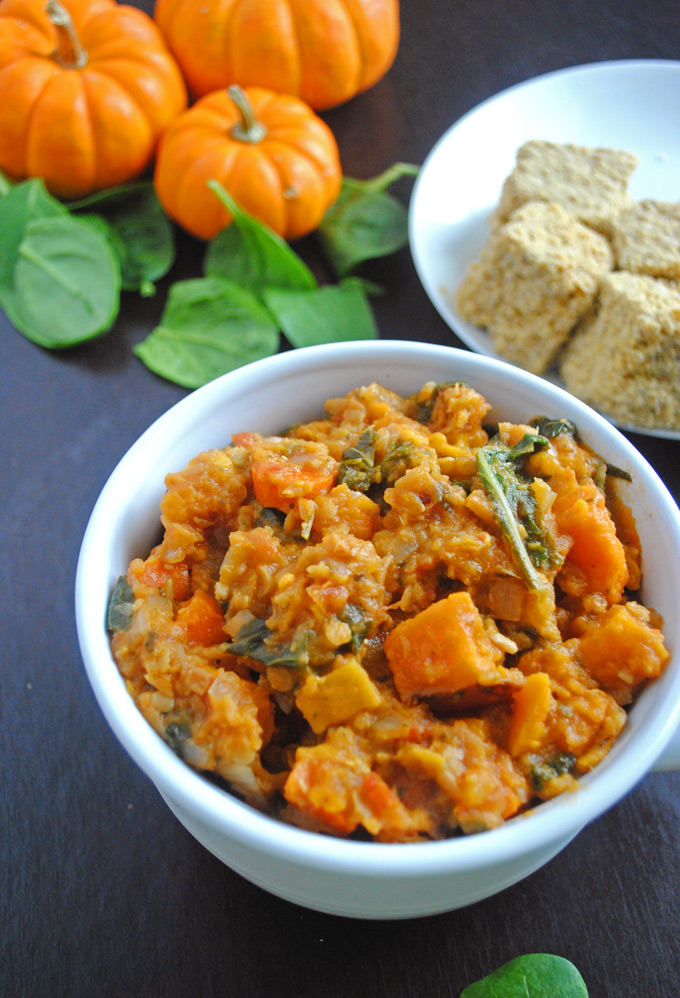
[(287, 179), (323, 51), (83, 129)]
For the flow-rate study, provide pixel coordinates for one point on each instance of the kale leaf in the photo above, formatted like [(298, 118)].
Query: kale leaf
[(121, 606), (251, 642), (500, 469), (357, 469)]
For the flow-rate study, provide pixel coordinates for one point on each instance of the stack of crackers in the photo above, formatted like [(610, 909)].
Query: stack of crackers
[(577, 276)]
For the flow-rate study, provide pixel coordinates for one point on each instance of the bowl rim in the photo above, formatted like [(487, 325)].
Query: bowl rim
[(217, 808)]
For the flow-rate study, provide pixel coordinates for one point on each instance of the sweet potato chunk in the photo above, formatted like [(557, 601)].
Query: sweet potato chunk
[(337, 696), (581, 512), (623, 650), (202, 619), (445, 650), (346, 511), (530, 708), (334, 788)]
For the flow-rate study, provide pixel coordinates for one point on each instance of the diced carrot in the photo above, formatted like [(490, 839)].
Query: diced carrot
[(202, 619), (280, 480), (156, 572), (530, 708), (444, 649), (581, 512)]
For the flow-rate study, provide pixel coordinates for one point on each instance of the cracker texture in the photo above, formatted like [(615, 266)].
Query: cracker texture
[(536, 277), (590, 183), (646, 239), (625, 359)]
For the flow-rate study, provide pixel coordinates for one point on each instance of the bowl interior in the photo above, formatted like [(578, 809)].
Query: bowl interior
[(269, 396)]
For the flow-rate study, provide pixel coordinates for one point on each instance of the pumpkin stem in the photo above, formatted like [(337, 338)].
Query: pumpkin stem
[(69, 53), (248, 129)]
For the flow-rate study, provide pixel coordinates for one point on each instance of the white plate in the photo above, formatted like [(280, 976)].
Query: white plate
[(632, 105)]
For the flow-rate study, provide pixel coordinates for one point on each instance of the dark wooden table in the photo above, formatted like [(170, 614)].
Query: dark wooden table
[(103, 891)]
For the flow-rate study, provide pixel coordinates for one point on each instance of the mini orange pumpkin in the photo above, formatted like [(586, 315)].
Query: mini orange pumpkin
[(86, 88), (270, 151), (323, 51)]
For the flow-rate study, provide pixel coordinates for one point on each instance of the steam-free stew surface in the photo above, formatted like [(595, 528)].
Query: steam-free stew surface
[(394, 622)]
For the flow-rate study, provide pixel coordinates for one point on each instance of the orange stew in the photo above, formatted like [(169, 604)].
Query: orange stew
[(396, 622)]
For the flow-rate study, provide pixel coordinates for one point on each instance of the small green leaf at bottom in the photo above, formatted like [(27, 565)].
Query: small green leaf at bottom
[(535, 975), (333, 313), (209, 326)]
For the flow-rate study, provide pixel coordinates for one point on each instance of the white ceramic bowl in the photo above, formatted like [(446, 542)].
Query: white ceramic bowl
[(360, 879)]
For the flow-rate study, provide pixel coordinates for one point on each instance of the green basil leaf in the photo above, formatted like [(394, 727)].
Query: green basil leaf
[(209, 326), (140, 233), (536, 975), (252, 255), (545, 770), (66, 283), (360, 624), (365, 222), (19, 205), (329, 314), (108, 233)]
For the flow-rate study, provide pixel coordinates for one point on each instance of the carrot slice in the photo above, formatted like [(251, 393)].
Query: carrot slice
[(156, 572), (280, 481), (202, 619)]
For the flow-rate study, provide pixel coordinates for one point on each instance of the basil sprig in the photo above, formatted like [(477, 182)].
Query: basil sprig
[(254, 640), (63, 267)]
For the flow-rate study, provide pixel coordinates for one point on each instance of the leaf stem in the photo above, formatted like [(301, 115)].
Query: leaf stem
[(390, 176)]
